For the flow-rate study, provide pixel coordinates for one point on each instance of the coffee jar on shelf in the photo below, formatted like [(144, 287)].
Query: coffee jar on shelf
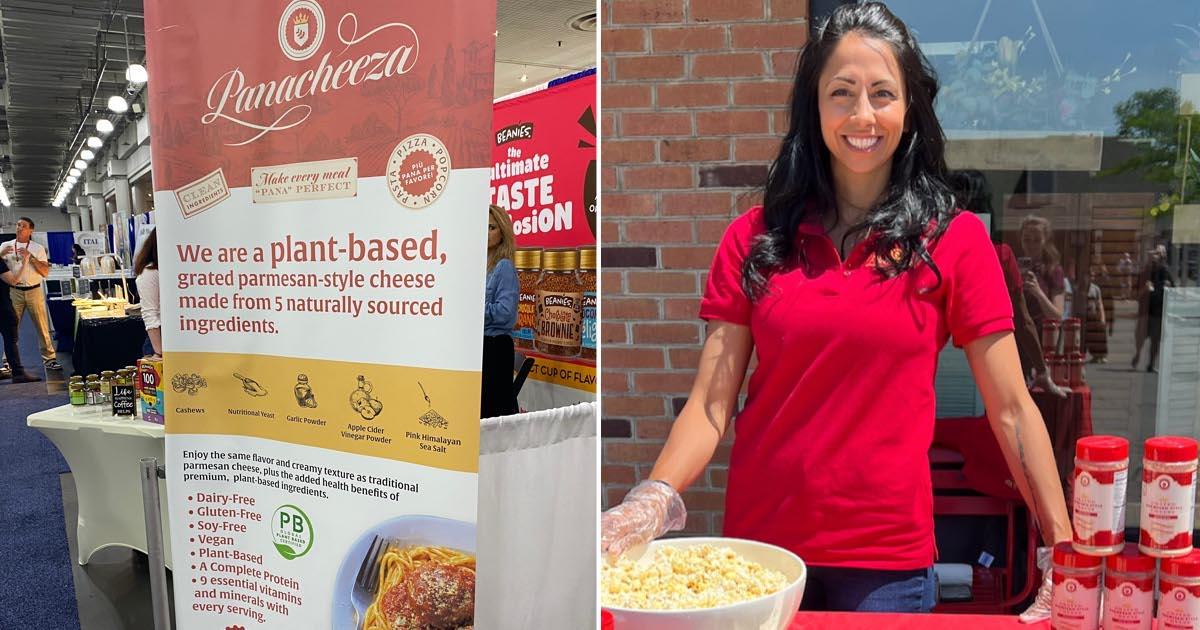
[(528, 262), (587, 276), (559, 306)]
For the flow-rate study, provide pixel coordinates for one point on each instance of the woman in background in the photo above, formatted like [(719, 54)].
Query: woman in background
[(1045, 282), (973, 194), (146, 268), (499, 317)]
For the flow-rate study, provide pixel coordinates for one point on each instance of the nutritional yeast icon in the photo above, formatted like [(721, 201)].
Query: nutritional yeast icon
[(431, 418), (363, 402), (250, 386)]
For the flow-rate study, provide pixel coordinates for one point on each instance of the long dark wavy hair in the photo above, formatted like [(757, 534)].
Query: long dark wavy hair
[(917, 205)]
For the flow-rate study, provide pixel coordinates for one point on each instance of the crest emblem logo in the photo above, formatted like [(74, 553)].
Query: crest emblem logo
[(301, 29)]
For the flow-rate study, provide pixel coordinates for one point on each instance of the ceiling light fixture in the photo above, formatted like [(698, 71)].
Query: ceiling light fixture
[(104, 126), (136, 74), (87, 154), (80, 164), (118, 104), (94, 142), (75, 172)]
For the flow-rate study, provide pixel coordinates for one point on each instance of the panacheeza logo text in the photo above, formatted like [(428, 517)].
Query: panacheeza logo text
[(232, 97)]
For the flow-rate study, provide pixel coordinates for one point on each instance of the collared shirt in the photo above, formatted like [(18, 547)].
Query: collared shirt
[(26, 275), (830, 458)]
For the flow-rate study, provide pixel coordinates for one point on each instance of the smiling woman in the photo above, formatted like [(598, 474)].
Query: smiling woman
[(845, 283)]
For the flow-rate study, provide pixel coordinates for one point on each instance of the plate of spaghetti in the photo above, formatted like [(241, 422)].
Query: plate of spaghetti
[(425, 577)]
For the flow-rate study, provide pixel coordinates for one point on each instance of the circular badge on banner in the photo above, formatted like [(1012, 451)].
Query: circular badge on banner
[(418, 171), (301, 29), (291, 531)]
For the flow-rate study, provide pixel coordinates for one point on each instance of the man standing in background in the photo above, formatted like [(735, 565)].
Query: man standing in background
[(30, 263)]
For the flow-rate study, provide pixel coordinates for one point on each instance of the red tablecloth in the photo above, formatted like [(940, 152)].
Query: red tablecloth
[(880, 621)]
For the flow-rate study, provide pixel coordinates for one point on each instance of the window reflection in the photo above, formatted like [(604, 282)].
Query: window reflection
[(1074, 126)]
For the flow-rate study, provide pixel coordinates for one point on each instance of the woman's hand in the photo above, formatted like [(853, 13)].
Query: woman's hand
[(654, 508), (1039, 610), (1047, 383), (1032, 284), (651, 509)]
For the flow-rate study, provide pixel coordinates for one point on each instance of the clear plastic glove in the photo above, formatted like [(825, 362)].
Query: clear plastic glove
[(1044, 381), (651, 509), (1040, 609)]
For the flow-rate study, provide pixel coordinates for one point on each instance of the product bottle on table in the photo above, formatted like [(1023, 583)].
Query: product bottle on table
[(1168, 496)]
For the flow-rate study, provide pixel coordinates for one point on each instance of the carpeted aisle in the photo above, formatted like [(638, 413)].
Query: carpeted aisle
[(36, 588)]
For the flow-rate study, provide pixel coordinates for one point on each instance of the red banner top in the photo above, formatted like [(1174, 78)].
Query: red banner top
[(544, 164), (235, 85)]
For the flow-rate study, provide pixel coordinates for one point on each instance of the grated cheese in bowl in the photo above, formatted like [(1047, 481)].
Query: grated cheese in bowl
[(683, 578)]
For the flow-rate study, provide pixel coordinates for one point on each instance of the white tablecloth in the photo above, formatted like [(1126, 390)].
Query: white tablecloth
[(537, 506), (105, 454), (537, 539)]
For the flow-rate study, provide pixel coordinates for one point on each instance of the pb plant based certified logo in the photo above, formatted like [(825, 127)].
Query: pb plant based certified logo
[(301, 29), (291, 531)]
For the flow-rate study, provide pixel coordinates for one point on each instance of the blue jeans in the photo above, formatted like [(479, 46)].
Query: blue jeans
[(870, 590)]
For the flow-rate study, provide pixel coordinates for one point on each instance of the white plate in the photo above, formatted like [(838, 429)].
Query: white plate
[(348, 606)]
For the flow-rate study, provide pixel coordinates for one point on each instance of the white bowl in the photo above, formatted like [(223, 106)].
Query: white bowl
[(770, 612)]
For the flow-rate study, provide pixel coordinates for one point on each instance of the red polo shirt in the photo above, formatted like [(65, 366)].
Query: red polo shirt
[(830, 455)]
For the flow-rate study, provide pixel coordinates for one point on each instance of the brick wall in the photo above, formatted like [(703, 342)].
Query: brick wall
[(693, 102)]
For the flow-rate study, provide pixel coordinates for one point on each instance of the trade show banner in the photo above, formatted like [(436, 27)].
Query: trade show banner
[(93, 243), (321, 171), (544, 174)]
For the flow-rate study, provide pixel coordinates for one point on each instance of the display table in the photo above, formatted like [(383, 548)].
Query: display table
[(537, 500), (538, 492), (108, 343), (104, 454), (62, 317), (874, 621)]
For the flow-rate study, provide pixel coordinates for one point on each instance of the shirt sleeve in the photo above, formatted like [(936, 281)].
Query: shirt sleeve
[(38, 252), (723, 297), (501, 307), (977, 300), (147, 286), (1008, 264)]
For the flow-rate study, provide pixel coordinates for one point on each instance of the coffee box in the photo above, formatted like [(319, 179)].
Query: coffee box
[(150, 389)]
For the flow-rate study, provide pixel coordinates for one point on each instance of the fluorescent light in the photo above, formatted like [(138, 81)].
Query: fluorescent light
[(76, 172), (118, 104), (87, 154), (71, 179), (136, 74), (80, 164), (95, 142), (104, 126)]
